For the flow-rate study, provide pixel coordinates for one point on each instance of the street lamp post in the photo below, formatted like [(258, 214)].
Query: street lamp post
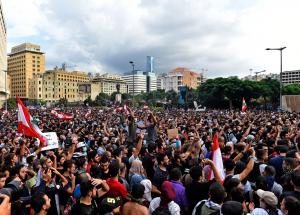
[(280, 75), (132, 64), (5, 90)]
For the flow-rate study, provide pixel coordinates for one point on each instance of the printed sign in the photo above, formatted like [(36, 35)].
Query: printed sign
[(52, 141)]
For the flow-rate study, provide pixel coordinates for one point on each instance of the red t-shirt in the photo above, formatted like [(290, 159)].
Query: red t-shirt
[(116, 189)]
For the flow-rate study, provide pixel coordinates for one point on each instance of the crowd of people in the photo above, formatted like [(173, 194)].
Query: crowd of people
[(128, 163)]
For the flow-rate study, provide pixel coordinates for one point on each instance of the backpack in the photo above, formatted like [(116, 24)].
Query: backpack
[(199, 210)]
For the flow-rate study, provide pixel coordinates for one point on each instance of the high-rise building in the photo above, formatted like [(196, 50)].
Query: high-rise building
[(291, 77), (56, 84), (24, 61), (150, 64), (139, 79), (4, 90), (179, 77)]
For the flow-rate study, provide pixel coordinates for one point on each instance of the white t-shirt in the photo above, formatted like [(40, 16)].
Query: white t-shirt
[(172, 206)]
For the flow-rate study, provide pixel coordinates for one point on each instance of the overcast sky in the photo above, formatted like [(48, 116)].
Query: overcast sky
[(225, 37)]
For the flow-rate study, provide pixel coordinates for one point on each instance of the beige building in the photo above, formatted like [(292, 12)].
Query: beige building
[(56, 84), (3, 58), (24, 62), (178, 77), (108, 83), (89, 89)]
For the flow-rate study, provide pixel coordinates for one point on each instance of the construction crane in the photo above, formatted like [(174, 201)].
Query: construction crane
[(64, 65), (256, 73)]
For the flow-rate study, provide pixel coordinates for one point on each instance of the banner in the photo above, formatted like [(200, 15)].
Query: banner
[(52, 141)]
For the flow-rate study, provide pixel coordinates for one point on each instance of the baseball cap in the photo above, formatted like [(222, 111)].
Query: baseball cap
[(100, 150), (108, 204), (268, 197)]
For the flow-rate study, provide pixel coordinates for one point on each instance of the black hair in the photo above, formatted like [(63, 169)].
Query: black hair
[(37, 201), (104, 159), (196, 172), (229, 164), (292, 205), (68, 164), (296, 178), (160, 158), (175, 174), (85, 188), (114, 168), (217, 193), (137, 191)]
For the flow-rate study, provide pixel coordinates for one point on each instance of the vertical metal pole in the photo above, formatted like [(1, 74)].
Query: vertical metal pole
[(133, 85), (5, 92), (280, 93)]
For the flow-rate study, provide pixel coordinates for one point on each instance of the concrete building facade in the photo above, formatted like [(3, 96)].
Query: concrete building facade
[(56, 84), (179, 77), (291, 77), (4, 90), (140, 82), (108, 83), (24, 62)]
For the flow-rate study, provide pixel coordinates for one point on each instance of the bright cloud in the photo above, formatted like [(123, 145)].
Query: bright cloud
[(226, 37)]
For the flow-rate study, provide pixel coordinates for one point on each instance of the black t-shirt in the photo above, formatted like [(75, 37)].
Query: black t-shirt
[(64, 196), (197, 191), (255, 172), (104, 175), (148, 163), (159, 177), (83, 209)]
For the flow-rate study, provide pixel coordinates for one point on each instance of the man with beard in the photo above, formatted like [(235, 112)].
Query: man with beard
[(161, 174), (40, 203)]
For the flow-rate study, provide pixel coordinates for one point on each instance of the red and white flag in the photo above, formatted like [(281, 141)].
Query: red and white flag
[(217, 159), (244, 105), (88, 113), (61, 115), (4, 114), (25, 126), (122, 109)]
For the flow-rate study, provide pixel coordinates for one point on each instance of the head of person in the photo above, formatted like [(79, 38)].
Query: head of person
[(114, 168), (104, 163), (289, 164), (217, 193), (196, 172), (2, 179), (175, 174), (296, 179), (87, 189), (20, 171), (93, 156), (46, 162), (232, 208), (40, 202), (69, 166), (168, 193), (162, 159), (290, 205), (137, 191), (267, 199), (137, 167), (269, 171), (229, 165)]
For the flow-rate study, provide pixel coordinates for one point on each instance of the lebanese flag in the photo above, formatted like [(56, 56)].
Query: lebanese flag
[(217, 159), (122, 109), (4, 114), (61, 115), (25, 126), (88, 113), (244, 105)]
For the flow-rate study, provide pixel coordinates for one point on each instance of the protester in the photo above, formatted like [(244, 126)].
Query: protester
[(111, 154)]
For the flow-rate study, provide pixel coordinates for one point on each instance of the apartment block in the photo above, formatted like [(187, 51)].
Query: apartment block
[(24, 61)]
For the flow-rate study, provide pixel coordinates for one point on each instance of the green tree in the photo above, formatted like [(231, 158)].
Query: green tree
[(102, 99), (291, 89), (11, 103)]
